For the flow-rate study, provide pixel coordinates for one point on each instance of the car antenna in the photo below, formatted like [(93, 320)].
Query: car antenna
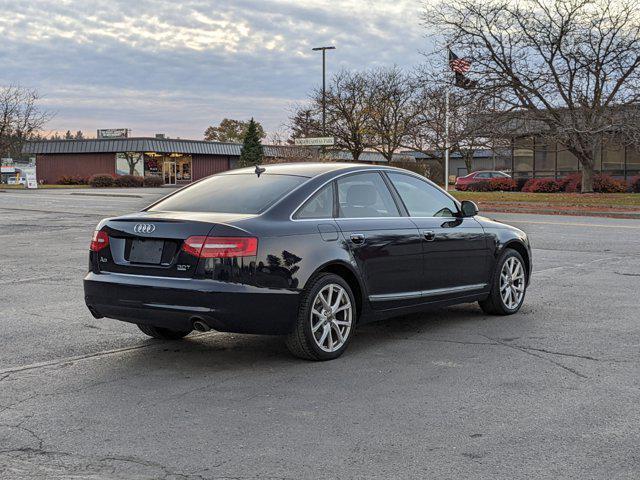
[(259, 170)]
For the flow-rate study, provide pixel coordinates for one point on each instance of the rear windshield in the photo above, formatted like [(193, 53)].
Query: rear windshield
[(238, 193)]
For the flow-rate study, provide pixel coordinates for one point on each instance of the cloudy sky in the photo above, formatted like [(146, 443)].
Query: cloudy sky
[(175, 67)]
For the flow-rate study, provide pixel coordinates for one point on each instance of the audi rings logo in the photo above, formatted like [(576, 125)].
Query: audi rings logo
[(144, 228)]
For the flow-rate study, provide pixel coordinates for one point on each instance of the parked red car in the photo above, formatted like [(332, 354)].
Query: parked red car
[(463, 182)]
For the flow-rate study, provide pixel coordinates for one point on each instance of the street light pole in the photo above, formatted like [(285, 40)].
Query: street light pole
[(324, 50)]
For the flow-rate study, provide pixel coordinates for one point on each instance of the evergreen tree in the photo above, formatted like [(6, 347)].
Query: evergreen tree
[(252, 151)]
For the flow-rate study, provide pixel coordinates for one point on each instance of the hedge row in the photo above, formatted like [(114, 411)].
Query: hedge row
[(572, 183), (105, 180)]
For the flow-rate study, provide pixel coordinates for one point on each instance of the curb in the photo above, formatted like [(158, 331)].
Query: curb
[(571, 213), (126, 195)]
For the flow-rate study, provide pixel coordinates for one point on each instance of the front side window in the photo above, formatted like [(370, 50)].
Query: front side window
[(483, 175), (365, 195), (231, 193), (320, 205), (421, 198)]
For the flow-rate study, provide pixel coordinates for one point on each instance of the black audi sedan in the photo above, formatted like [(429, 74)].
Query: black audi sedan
[(308, 251)]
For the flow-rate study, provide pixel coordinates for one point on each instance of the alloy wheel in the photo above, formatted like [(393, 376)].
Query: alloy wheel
[(331, 317), (512, 283)]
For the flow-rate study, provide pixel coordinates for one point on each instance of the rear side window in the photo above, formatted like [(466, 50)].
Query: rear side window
[(320, 205), (236, 193), (421, 198), (365, 195)]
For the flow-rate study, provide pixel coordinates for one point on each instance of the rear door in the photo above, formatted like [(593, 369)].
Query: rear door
[(386, 246), (455, 250)]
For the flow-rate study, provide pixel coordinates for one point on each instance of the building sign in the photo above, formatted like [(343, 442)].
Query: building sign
[(314, 141), (30, 175), (6, 165), (113, 133)]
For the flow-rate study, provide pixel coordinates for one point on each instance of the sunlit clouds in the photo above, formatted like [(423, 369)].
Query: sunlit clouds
[(176, 67)]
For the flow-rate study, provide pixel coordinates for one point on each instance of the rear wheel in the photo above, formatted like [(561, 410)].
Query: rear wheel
[(326, 319), (508, 286), (163, 333)]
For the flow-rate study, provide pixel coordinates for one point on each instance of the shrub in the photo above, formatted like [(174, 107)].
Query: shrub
[(153, 181), (602, 183), (479, 186), (571, 183), (128, 181), (542, 185), (606, 184), (101, 180), (635, 184), (73, 180), (502, 184), (493, 185)]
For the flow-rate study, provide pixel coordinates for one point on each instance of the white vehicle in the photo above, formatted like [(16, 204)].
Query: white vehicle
[(16, 181)]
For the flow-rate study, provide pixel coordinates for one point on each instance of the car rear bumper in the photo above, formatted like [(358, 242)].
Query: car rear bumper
[(175, 303)]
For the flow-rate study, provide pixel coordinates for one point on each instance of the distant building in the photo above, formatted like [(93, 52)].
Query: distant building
[(483, 159), (175, 161)]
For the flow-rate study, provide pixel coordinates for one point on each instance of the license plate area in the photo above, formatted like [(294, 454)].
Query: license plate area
[(146, 251)]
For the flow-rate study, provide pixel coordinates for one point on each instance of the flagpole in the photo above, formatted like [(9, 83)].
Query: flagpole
[(446, 117), (446, 138)]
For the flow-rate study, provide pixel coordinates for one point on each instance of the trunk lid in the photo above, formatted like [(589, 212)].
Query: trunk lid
[(150, 243)]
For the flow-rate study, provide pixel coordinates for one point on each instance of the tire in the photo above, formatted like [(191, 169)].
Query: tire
[(495, 303), (308, 339), (163, 333)]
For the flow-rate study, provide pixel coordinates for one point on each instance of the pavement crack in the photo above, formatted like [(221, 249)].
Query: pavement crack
[(628, 274), (529, 352), (552, 352), (28, 431)]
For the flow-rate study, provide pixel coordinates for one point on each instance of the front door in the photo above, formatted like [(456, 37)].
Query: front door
[(169, 173), (386, 246), (456, 253)]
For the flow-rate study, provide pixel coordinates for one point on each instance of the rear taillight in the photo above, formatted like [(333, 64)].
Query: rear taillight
[(220, 247), (99, 241)]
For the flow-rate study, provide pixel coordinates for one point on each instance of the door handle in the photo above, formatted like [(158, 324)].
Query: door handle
[(429, 235), (357, 238)]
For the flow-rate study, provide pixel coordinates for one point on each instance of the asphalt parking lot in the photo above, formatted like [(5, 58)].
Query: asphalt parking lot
[(552, 392)]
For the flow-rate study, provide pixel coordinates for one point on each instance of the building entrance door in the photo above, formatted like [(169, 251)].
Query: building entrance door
[(169, 173)]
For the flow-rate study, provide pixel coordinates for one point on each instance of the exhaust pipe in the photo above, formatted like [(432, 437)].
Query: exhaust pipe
[(201, 326)]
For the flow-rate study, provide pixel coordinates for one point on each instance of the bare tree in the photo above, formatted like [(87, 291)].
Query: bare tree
[(392, 109), (567, 70), (467, 134), (348, 102), (20, 118), (304, 122)]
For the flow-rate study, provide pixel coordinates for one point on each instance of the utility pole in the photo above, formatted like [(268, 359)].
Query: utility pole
[(324, 50)]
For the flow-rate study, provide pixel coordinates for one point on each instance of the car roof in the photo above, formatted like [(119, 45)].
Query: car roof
[(304, 169)]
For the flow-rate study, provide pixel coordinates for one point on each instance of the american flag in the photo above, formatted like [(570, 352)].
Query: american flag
[(457, 64)]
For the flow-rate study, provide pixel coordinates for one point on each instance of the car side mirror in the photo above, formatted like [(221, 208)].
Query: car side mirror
[(468, 208)]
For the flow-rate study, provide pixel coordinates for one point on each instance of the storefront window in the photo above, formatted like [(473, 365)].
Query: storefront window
[(173, 168), (567, 161), (545, 158), (633, 160), (523, 154), (129, 163), (612, 155)]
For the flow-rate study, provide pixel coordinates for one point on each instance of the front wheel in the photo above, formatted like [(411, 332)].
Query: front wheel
[(326, 319), (163, 333), (508, 286)]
